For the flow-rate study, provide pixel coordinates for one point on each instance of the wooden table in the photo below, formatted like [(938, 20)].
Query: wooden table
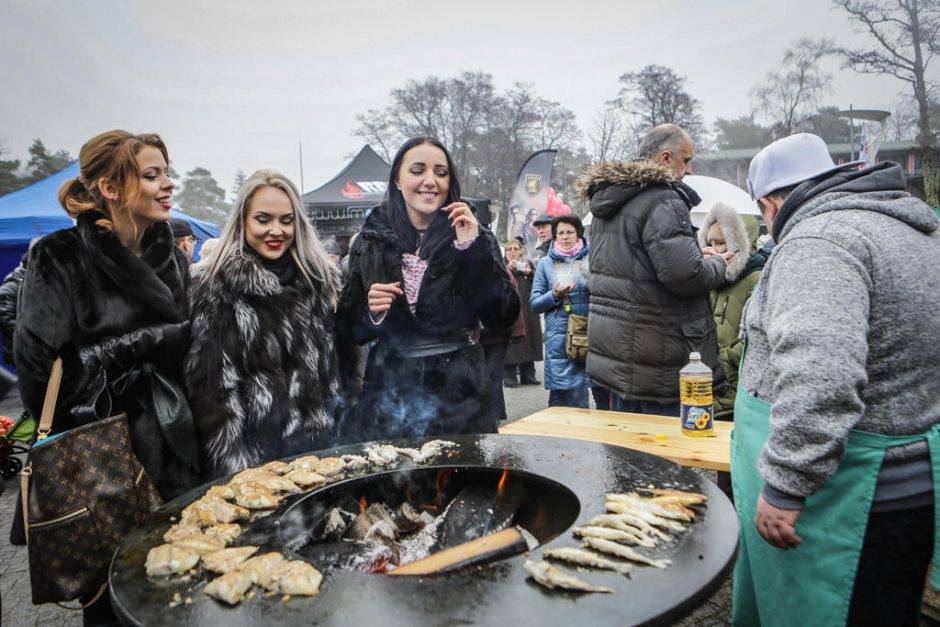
[(659, 435)]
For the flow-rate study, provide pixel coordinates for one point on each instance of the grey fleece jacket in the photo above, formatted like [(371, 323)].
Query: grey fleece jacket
[(844, 328)]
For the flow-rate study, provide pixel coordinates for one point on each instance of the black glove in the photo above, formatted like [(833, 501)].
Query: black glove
[(120, 353)]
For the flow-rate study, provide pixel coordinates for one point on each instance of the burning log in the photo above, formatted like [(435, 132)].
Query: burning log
[(479, 551), (375, 520)]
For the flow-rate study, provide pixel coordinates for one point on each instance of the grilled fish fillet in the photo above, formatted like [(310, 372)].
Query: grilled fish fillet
[(330, 466), (305, 478), (179, 531), (297, 577), (616, 507), (614, 535), (355, 463), (262, 568), (636, 502), (200, 543), (618, 550), (169, 559), (587, 558), (226, 532), (277, 467), (230, 587), (227, 559), (547, 575), (308, 462)]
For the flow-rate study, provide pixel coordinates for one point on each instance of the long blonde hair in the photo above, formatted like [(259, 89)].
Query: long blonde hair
[(307, 250)]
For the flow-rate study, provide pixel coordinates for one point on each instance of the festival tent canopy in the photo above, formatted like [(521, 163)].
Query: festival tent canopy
[(34, 211), (712, 191), (339, 207)]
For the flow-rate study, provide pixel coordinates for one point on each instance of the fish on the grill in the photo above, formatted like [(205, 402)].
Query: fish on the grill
[(413, 453), (619, 550), (253, 495), (208, 511), (230, 587), (616, 507), (381, 454), (637, 503), (308, 462), (305, 478), (614, 535), (547, 575), (277, 467), (200, 543), (226, 532), (224, 560), (329, 466), (222, 492), (262, 568), (666, 495), (296, 577), (179, 530), (434, 448), (169, 559), (647, 534), (587, 558), (355, 463)]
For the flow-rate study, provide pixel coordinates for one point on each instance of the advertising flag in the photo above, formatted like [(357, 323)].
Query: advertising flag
[(530, 197)]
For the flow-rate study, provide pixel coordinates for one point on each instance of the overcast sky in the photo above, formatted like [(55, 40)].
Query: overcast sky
[(234, 84)]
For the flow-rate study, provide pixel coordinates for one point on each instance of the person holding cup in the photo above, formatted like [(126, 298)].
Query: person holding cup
[(560, 288)]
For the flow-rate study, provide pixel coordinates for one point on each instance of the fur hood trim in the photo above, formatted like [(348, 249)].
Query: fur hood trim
[(736, 237), (633, 173)]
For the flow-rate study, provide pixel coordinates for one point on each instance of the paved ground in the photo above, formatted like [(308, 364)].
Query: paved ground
[(14, 575)]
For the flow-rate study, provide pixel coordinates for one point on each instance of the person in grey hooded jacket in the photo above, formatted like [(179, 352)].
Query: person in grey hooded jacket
[(649, 278), (841, 335)]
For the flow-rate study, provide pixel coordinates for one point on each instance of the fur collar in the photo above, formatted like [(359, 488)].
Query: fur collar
[(631, 173), (154, 278), (736, 237), (243, 275)]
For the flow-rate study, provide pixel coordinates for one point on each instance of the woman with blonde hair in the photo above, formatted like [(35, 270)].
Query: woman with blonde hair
[(108, 296), (263, 369)]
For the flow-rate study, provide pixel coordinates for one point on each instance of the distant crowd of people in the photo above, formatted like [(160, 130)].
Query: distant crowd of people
[(820, 340)]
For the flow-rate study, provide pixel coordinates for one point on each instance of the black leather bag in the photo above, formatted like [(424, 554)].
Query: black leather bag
[(82, 491)]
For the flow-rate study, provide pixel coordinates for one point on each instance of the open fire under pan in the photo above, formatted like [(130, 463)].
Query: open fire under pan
[(485, 484)]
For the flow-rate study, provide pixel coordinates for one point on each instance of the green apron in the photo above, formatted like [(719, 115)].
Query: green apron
[(811, 584)]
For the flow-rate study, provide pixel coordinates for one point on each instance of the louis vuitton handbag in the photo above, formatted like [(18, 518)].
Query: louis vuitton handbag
[(83, 490)]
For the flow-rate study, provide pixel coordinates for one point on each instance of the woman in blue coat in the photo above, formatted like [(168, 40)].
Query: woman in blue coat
[(563, 274)]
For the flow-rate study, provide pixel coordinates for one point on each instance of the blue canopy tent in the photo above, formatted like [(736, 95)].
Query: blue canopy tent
[(35, 211)]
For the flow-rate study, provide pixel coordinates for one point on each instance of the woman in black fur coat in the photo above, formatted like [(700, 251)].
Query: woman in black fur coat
[(263, 369), (109, 297), (423, 276)]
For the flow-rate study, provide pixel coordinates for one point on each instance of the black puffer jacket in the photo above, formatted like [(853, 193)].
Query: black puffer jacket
[(119, 322), (649, 282), (9, 295), (438, 394)]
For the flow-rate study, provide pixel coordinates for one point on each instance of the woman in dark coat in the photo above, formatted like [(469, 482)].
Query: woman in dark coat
[(109, 297), (521, 356), (263, 370), (423, 276)]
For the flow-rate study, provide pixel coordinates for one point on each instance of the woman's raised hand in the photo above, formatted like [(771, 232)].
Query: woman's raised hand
[(382, 295), (463, 221)]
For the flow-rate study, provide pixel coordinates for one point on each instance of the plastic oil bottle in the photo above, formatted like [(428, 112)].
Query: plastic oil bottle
[(695, 397)]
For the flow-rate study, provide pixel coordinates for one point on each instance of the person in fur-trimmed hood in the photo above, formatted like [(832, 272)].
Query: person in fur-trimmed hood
[(649, 278), (725, 230), (264, 367)]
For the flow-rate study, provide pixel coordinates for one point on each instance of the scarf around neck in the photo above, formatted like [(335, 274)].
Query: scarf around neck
[(574, 251)]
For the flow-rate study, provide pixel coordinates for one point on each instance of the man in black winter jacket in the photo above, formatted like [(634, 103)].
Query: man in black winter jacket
[(649, 278)]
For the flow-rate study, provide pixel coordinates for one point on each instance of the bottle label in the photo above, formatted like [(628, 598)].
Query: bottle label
[(697, 417)]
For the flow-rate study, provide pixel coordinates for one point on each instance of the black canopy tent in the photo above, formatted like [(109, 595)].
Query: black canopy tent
[(339, 207)]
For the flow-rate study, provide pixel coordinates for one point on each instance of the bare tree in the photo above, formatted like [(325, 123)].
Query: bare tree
[(788, 95), (906, 36), (609, 136), (902, 124), (656, 95)]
